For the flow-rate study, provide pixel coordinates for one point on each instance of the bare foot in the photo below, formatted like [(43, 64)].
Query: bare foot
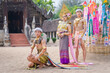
[(41, 66)]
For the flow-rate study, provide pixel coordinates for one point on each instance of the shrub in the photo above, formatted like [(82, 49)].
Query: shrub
[(48, 39), (54, 40)]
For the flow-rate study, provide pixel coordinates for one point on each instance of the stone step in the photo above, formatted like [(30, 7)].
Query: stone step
[(19, 45), (18, 39)]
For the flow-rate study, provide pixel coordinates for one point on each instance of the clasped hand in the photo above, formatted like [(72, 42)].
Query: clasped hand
[(61, 35)]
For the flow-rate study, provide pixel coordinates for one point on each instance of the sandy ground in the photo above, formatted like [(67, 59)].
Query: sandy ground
[(13, 60)]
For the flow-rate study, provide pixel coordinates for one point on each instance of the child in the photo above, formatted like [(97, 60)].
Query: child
[(79, 29), (41, 58)]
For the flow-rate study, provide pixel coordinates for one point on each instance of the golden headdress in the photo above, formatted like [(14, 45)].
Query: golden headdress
[(65, 11)]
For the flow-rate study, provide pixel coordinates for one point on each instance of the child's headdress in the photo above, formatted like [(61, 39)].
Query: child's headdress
[(38, 29), (79, 10)]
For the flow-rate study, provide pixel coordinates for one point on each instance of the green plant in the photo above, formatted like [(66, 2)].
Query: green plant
[(46, 4), (54, 40), (108, 1), (48, 39), (72, 5)]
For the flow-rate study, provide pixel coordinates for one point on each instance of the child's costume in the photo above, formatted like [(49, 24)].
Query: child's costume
[(43, 58)]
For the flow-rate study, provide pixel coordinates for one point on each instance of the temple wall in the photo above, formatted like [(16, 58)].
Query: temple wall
[(1, 17), (1, 37)]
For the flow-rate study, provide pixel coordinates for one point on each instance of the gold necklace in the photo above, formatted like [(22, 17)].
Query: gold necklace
[(37, 38)]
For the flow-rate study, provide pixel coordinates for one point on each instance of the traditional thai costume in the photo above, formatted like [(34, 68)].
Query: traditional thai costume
[(78, 34), (63, 45), (43, 59)]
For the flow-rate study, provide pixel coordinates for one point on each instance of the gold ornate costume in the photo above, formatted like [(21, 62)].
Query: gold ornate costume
[(79, 22), (63, 26), (43, 58)]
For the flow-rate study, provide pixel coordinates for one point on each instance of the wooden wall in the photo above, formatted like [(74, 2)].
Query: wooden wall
[(1, 16), (21, 5)]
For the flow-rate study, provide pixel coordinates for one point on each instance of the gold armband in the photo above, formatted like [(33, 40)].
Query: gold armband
[(82, 35), (44, 47), (69, 30)]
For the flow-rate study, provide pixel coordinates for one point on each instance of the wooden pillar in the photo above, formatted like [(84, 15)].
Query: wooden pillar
[(40, 20), (51, 34), (56, 36)]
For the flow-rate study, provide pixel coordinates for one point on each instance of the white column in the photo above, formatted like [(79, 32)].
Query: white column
[(50, 35), (6, 39), (56, 36), (33, 22)]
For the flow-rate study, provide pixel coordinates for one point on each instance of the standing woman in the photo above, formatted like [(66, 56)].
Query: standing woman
[(63, 31)]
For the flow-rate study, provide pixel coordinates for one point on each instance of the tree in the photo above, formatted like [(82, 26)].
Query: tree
[(108, 2), (48, 5), (71, 4)]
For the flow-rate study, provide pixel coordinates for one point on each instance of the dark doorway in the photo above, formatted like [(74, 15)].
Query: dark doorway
[(15, 21)]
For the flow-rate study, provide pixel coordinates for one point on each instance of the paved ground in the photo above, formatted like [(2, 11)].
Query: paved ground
[(13, 60)]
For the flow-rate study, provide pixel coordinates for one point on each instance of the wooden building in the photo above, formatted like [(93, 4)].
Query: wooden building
[(50, 26), (16, 13)]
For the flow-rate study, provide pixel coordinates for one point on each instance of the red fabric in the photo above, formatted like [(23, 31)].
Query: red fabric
[(85, 3), (90, 1)]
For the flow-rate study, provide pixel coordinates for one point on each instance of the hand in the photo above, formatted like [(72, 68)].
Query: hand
[(30, 55), (59, 35), (37, 57), (73, 39), (62, 35), (80, 38)]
